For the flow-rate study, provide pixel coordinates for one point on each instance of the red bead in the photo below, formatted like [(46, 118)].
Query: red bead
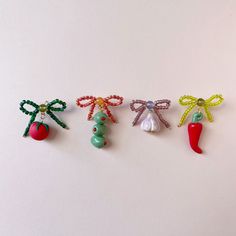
[(39, 131)]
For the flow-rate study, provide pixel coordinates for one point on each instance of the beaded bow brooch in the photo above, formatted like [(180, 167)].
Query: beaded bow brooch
[(38, 130), (195, 127), (151, 122), (99, 129)]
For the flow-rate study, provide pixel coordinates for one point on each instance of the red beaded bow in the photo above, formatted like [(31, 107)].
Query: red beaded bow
[(103, 104)]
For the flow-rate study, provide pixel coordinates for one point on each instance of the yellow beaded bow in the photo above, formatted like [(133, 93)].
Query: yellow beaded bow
[(191, 101)]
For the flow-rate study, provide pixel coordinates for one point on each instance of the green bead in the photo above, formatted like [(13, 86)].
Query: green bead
[(98, 141), (99, 130), (197, 116), (100, 117)]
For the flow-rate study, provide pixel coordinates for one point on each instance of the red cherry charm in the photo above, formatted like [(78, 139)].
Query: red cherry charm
[(39, 131)]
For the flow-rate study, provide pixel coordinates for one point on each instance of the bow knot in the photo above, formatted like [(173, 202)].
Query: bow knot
[(150, 105), (192, 102), (55, 105), (102, 103)]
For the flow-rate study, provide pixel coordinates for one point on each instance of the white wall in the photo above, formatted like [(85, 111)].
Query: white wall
[(143, 184)]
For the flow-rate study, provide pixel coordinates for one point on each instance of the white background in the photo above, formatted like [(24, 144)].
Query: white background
[(143, 184)]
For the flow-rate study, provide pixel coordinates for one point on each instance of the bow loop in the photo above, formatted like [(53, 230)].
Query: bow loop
[(162, 104), (85, 101), (53, 105), (214, 100), (137, 105), (28, 102), (113, 100), (187, 100)]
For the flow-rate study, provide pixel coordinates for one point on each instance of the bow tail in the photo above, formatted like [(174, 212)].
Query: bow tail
[(91, 110), (33, 116), (63, 125), (167, 125), (109, 114), (184, 116), (208, 113), (140, 112)]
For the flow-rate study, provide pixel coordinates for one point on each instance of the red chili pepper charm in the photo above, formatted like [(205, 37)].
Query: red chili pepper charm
[(195, 127), (194, 131)]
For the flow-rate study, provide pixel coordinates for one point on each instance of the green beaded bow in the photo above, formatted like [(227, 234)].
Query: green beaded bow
[(43, 108)]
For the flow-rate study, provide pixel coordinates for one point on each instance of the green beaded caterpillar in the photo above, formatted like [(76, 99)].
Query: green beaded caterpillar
[(99, 129)]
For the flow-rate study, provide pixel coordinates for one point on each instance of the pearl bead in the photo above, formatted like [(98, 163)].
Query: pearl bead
[(150, 123)]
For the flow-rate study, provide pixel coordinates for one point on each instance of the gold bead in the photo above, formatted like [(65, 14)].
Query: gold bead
[(200, 102), (100, 101), (43, 108)]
